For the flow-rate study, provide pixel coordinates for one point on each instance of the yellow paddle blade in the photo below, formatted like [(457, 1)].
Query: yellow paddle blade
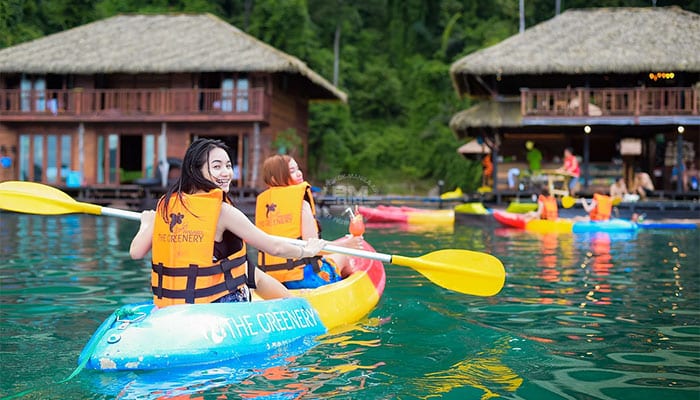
[(35, 198), (463, 271), (568, 201)]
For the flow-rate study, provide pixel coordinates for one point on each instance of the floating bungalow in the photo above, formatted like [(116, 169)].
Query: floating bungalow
[(618, 85), (119, 100)]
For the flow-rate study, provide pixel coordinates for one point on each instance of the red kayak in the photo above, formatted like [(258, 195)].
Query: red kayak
[(509, 219), (406, 215)]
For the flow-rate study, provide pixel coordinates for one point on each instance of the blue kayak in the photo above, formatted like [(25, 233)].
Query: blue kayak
[(143, 337), (612, 225), (668, 225)]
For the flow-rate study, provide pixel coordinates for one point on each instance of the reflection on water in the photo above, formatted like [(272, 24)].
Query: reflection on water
[(581, 316)]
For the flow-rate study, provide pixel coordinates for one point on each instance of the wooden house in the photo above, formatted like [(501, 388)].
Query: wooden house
[(618, 85), (119, 100)]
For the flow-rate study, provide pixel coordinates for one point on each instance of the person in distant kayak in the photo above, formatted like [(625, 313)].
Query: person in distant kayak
[(599, 208), (287, 209), (547, 207), (198, 238)]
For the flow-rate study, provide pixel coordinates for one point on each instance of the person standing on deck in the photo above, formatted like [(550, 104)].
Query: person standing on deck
[(571, 167), (534, 158)]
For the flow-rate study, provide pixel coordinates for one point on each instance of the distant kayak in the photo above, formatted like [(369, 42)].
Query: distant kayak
[(509, 219), (455, 194), (564, 225), (473, 214), (668, 225), (476, 208), (142, 337), (561, 225), (408, 215)]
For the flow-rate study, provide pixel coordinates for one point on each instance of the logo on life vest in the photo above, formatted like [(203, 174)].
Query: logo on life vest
[(270, 208), (175, 219)]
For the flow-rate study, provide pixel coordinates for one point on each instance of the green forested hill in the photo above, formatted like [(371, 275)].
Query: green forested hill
[(391, 57)]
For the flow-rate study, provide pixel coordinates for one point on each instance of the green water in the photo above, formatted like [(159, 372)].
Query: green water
[(580, 317)]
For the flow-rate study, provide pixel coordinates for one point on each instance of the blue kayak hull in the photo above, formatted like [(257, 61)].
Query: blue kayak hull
[(143, 337), (668, 225), (613, 225)]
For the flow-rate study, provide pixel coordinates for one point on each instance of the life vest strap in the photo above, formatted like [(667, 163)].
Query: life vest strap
[(293, 263), (224, 266), (158, 269), (190, 295)]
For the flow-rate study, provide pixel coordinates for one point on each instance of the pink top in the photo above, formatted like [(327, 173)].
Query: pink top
[(571, 166)]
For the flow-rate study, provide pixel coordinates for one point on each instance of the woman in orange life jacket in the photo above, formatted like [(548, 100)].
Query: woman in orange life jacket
[(287, 209), (546, 207), (599, 208), (198, 238)]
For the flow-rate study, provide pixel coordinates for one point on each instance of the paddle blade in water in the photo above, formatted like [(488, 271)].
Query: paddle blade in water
[(463, 271)]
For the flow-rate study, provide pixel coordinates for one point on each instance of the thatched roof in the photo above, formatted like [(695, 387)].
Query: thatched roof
[(487, 114), (156, 44), (593, 41)]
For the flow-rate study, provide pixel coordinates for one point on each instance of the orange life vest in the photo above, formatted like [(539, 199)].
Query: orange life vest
[(183, 249), (603, 207), (550, 211), (278, 212)]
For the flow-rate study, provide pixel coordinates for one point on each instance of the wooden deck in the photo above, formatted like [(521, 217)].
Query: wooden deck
[(137, 105), (602, 102)]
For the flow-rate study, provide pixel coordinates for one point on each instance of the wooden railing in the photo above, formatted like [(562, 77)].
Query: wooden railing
[(133, 103), (610, 102)]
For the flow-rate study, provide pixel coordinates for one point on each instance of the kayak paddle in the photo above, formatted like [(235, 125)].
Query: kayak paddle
[(462, 271), (568, 201)]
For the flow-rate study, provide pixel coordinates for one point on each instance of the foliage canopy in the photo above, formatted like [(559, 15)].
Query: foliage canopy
[(392, 57)]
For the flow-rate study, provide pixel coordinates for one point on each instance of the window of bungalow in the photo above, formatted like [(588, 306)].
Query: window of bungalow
[(51, 158), (227, 95), (242, 95), (33, 89), (38, 159), (113, 157), (149, 148), (100, 159), (237, 88), (24, 157), (25, 87), (66, 159)]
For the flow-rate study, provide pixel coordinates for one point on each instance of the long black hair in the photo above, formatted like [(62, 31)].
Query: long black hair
[(191, 179)]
